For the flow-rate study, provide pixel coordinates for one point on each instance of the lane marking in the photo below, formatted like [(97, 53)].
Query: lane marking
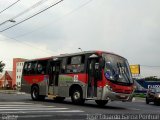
[(34, 116), (134, 109), (19, 103), (26, 107), (60, 111), (33, 109)]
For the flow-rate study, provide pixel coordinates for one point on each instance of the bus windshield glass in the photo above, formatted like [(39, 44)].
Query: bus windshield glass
[(117, 69)]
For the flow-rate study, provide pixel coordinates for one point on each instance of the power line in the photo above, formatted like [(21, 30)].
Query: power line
[(25, 11), (27, 44), (9, 6), (10, 20), (33, 15), (38, 28), (150, 66), (48, 24), (30, 8)]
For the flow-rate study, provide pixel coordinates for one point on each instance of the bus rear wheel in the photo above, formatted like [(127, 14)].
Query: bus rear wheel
[(101, 102), (35, 94), (77, 97)]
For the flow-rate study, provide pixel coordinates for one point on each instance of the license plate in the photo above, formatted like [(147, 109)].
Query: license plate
[(122, 96)]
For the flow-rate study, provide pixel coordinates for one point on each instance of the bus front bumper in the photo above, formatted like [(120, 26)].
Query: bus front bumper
[(113, 96)]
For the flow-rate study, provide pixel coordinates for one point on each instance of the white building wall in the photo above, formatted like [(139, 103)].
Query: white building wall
[(19, 68)]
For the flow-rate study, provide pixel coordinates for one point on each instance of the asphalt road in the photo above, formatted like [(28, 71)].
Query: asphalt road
[(21, 107)]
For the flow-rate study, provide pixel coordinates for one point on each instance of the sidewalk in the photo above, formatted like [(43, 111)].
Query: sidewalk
[(138, 99)]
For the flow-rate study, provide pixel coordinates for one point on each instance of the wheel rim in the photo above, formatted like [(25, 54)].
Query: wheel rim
[(76, 95), (35, 93)]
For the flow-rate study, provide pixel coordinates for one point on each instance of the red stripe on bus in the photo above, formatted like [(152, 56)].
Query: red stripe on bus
[(31, 79)]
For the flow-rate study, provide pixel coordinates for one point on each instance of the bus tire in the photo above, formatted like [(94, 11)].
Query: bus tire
[(35, 93), (156, 102), (147, 101), (77, 97), (101, 102)]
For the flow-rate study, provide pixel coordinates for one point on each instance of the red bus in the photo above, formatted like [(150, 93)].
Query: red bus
[(89, 75)]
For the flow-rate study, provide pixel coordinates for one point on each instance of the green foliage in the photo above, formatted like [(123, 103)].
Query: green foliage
[(1, 66), (152, 78), (141, 95)]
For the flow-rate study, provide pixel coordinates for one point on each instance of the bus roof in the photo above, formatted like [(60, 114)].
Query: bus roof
[(86, 52), (45, 58), (74, 54)]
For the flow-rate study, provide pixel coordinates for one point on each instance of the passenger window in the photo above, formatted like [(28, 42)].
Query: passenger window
[(30, 68), (63, 65), (76, 60), (25, 68), (75, 64), (41, 67)]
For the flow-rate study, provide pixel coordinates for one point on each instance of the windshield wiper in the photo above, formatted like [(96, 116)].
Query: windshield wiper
[(119, 65)]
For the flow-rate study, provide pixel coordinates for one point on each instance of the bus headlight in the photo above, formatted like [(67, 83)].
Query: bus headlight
[(109, 87), (159, 95)]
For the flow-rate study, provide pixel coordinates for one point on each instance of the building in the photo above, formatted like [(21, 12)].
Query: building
[(6, 79), (17, 71), (19, 68)]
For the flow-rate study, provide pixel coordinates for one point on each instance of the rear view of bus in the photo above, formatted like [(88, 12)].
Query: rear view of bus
[(89, 75)]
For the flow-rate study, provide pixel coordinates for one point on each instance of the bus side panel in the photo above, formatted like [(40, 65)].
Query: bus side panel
[(63, 91), (99, 93), (68, 80), (43, 86), (41, 81), (25, 87)]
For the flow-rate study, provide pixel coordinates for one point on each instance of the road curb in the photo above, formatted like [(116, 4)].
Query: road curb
[(11, 92), (138, 99)]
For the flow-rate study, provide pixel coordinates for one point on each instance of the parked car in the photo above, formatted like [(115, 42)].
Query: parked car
[(153, 95)]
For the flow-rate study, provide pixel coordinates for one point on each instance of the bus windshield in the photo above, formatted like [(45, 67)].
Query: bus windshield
[(117, 69)]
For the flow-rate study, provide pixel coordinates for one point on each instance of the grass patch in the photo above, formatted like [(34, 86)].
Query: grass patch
[(141, 95)]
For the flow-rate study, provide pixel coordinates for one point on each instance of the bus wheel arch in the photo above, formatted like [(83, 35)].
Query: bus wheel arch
[(76, 93)]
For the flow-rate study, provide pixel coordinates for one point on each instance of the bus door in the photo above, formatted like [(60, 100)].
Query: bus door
[(54, 69), (92, 79)]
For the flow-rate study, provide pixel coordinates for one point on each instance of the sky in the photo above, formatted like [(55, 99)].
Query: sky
[(130, 28)]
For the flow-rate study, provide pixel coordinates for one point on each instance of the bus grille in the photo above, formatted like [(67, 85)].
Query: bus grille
[(123, 91)]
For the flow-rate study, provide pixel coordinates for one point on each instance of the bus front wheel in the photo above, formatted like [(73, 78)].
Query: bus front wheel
[(77, 97), (101, 102)]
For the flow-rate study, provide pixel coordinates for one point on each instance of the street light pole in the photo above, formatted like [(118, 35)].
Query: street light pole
[(80, 49)]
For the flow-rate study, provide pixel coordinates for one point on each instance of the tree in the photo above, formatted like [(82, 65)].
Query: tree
[(1, 66), (151, 78)]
